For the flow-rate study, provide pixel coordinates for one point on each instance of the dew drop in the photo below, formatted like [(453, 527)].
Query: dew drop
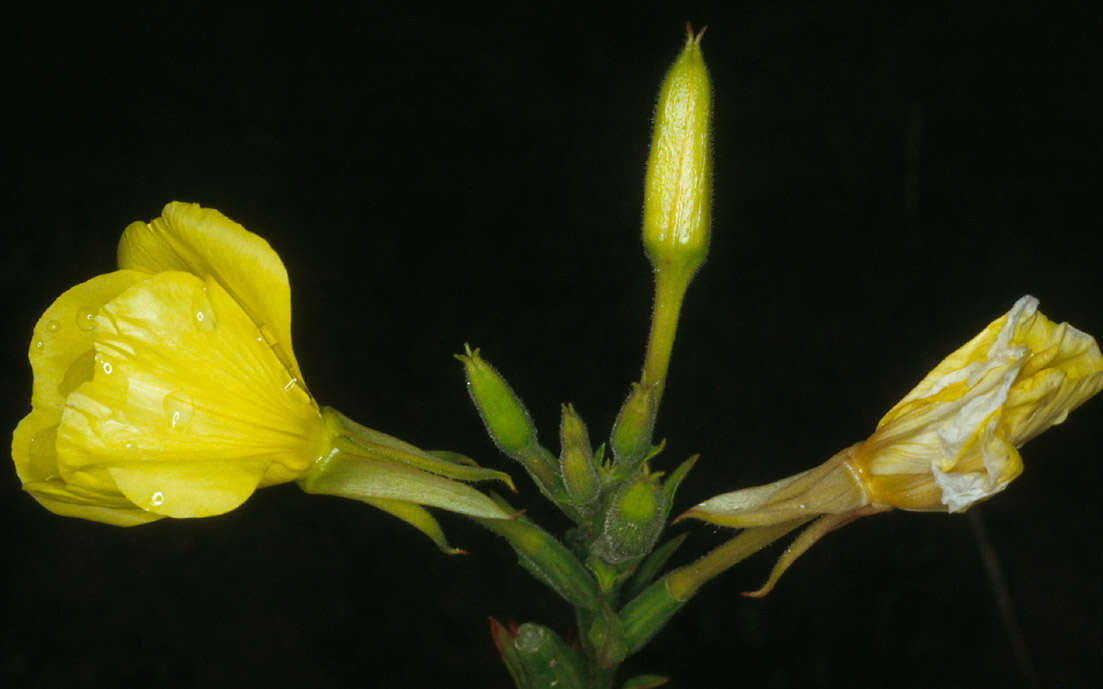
[(39, 345), (157, 499), (178, 410), (52, 326), (86, 317), (204, 313), (107, 368), (290, 384)]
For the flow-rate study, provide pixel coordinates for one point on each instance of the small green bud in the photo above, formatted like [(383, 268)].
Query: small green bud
[(507, 421), (633, 520), (546, 660), (677, 187), (631, 436), (576, 459)]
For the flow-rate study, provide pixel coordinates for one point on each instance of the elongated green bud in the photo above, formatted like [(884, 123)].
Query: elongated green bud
[(677, 188), (507, 421), (576, 459), (631, 436), (633, 520), (677, 199)]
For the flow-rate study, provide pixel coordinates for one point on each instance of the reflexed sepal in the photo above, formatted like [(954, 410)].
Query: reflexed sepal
[(398, 478), (369, 442), (417, 517)]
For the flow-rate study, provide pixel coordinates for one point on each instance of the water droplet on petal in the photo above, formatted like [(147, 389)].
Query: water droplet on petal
[(203, 312), (290, 385), (178, 410), (39, 345), (52, 326), (157, 499), (86, 318), (107, 368)]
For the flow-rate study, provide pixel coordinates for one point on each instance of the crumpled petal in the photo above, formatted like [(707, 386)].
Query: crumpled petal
[(188, 409), (203, 241), (962, 425)]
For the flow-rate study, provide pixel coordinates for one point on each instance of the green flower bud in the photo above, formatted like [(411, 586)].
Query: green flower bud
[(677, 187), (507, 421), (545, 660), (633, 520), (576, 459), (631, 436)]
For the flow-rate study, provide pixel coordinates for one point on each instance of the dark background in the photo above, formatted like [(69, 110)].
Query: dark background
[(886, 183)]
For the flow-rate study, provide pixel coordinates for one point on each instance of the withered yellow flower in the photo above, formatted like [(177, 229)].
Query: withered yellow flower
[(951, 442), (169, 388)]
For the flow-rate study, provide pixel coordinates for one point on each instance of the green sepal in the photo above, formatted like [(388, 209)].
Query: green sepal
[(650, 567), (645, 682), (417, 517), (670, 487), (546, 558), (453, 457), (545, 660), (368, 442), (346, 473)]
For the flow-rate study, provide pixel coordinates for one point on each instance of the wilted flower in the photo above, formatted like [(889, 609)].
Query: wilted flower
[(168, 388), (952, 441)]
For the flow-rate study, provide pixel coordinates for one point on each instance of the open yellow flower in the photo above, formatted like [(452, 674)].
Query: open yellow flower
[(169, 388), (951, 442)]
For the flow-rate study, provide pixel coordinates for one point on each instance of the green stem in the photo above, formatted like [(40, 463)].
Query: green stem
[(670, 290)]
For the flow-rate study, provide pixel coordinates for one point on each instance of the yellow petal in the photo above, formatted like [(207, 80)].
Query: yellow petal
[(61, 346), (206, 243), (36, 464), (189, 409), (960, 428)]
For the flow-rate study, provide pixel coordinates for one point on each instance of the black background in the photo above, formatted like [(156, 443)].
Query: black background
[(886, 183)]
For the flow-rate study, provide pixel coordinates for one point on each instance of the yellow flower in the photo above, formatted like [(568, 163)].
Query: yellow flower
[(954, 439), (169, 388), (951, 442)]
